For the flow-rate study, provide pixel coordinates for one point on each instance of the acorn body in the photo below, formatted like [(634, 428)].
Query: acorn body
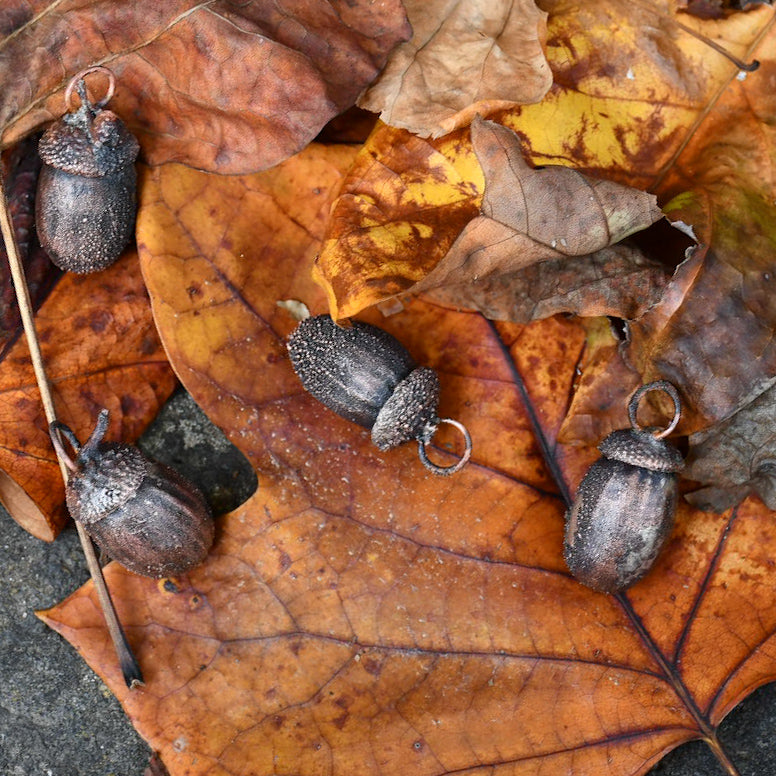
[(623, 511), (142, 513), (367, 376), (86, 200)]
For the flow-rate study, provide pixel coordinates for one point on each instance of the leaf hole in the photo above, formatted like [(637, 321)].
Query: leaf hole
[(663, 244), (170, 586), (183, 437)]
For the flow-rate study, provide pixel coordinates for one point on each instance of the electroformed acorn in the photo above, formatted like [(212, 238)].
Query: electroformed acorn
[(142, 513), (368, 377), (625, 505), (86, 201)]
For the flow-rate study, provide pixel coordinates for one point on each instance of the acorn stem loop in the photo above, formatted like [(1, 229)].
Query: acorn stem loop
[(633, 407), (444, 471), (57, 430), (77, 83)]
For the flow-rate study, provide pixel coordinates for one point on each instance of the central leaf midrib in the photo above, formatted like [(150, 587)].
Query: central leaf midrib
[(668, 670)]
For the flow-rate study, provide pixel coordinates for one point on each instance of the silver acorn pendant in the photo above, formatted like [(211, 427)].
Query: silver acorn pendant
[(86, 200), (142, 513), (368, 377), (625, 505)]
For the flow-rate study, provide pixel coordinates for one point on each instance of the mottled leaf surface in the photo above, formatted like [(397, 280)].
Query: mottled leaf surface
[(400, 208), (228, 86), (656, 107), (464, 57), (547, 240), (361, 616)]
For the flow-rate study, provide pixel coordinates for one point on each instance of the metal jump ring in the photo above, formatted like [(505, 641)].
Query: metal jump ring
[(658, 385), (80, 77), (445, 471)]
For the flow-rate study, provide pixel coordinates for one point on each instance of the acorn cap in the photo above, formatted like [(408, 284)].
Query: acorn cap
[(90, 142), (640, 448), (410, 412), (107, 477)]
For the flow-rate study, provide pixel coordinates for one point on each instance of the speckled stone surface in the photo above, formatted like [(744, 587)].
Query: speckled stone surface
[(58, 719)]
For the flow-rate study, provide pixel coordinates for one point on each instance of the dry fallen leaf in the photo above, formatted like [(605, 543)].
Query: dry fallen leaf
[(736, 457), (360, 616), (604, 375), (225, 86), (708, 148), (398, 212), (464, 57), (101, 349), (655, 107), (547, 216), (20, 166), (618, 281)]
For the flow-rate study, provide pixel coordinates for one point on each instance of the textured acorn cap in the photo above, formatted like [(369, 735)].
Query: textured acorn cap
[(353, 369), (89, 143), (105, 480), (640, 448), (410, 412)]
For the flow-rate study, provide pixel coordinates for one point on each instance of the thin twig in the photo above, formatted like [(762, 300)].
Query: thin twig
[(129, 665), (747, 67)]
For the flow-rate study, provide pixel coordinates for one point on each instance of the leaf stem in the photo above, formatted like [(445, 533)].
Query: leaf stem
[(721, 755), (740, 64), (127, 661)]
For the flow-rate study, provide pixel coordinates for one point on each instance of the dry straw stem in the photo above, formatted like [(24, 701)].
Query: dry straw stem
[(129, 665)]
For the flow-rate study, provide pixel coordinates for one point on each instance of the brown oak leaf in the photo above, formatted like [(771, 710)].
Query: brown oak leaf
[(465, 57), (218, 85), (530, 216)]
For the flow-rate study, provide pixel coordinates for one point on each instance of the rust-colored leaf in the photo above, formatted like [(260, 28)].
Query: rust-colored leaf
[(218, 85), (465, 57), (101, 349), (360, 616), (596, 408)]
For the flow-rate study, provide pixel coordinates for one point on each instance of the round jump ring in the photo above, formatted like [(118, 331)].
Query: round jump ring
[(658, 385), (445, 471), (78, 77)]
